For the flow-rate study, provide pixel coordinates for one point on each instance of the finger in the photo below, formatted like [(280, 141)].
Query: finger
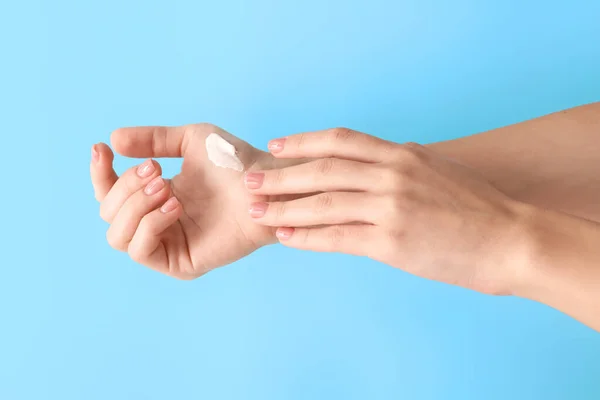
[(128, 217), (130, 182), (350, 239), (324, 174), (101, 170), (150, 141), (338, 142), (320, 209), (147, 246)]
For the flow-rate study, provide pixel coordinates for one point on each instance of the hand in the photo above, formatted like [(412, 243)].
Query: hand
[(186, 226), (403, 205)]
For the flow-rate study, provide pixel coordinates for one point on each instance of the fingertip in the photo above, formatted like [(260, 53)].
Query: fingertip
[(118, 140), (148, 168), (95, 154), (157, 166), (102, 173), (101, 154), (276, 146), (125, 142), (172, 205), (284, 234)]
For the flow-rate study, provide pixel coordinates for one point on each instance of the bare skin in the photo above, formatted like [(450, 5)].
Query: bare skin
[(403, 204), (208, 226)]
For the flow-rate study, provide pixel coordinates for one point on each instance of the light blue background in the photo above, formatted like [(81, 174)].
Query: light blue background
[(80, 321)]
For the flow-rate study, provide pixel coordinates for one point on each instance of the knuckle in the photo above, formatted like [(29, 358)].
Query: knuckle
[(323, 203), (394, 180), (104, 213), (410, 156), (393, 236), (146, 226), (300, 140), (337, 236), (185, 271), (183, 276), (113, 238), (202, 126), (413, 145), (135, 254), (159, 140), (404, 210), (275, 178), (391, 241), (389, 148), (324, 166), (305, 238), (280, 211), (342, 134), (396, 206)]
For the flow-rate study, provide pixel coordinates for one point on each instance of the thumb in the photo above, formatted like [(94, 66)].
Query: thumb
[(101, 170), (149, 141)]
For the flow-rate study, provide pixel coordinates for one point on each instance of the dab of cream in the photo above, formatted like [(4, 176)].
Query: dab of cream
[(222, 153)]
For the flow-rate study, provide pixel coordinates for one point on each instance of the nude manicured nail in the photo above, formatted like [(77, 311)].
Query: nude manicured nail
[(254, 180), (276, 145), (284, 233), (146, 169), (95, 154), (154, 186), (170, 205), (258, 210)]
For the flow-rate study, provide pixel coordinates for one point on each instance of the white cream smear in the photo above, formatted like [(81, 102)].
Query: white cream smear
[(222, 153)]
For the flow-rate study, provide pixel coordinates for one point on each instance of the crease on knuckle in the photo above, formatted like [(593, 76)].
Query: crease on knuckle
[(300, 140), (157, 139), (342, 134), (275, 178), (324, 166), (337, 236), (306, 238), (323, 203), (280, 211)]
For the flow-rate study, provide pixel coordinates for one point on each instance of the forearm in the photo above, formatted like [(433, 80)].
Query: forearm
[(552, 161), (563, 265)]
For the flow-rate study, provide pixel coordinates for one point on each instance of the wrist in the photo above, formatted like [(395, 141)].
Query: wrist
[(527, 246), (555, 245)]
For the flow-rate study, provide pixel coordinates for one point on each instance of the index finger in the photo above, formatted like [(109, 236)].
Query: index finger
[(338, 142), (150, 141)]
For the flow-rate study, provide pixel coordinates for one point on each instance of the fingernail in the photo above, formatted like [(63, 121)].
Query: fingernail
[(154, 186), (254, 180), (284, 233), (95, 154), (170, 205), (258, 210), (275, 146), (146, 169)]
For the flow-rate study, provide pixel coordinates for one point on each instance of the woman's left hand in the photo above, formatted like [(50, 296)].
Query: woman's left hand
[(401, 204)]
